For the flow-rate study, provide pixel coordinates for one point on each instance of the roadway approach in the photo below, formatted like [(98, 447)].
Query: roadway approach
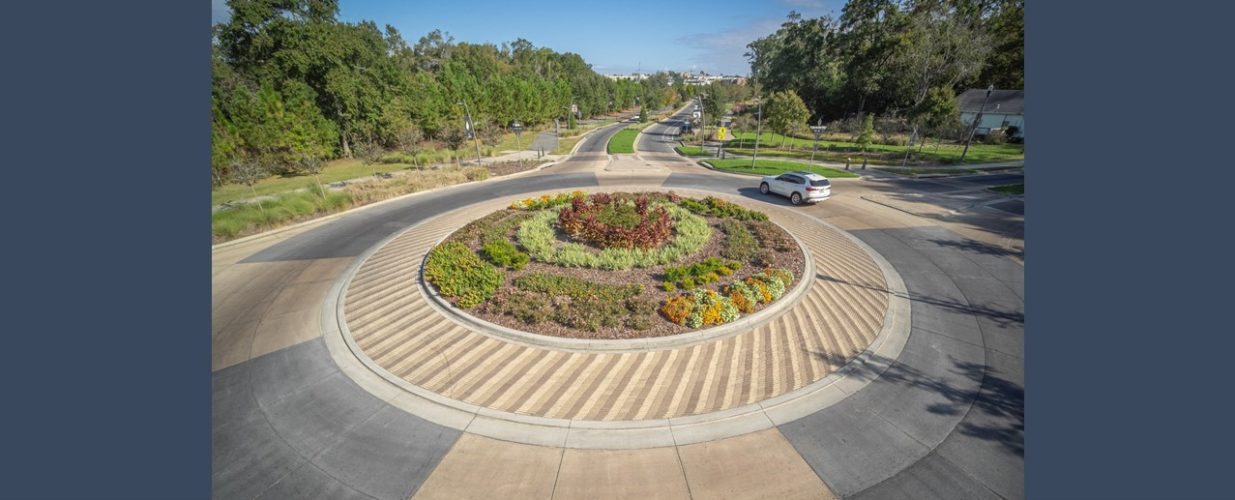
[(294, 416)]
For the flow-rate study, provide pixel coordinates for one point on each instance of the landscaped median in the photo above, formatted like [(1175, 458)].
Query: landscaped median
[(773, 144), (774, 167), (615, 265)]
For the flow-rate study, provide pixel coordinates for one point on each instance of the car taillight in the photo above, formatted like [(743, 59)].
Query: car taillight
[(811, 188)]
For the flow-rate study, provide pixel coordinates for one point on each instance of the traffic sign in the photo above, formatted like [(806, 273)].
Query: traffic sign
[(722, 133)]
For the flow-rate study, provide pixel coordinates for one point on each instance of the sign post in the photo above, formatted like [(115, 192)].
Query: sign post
[(818, 129), (518, 128)]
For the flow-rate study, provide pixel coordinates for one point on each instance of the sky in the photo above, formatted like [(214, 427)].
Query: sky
[(616, 37)]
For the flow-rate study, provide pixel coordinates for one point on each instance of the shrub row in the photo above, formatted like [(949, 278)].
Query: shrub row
[(616, 223), (702, 307), (538, 237), (720, 208), (462, 276), (547, 201)]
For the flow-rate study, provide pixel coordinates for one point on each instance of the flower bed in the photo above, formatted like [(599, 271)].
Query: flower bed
[(618, 265)]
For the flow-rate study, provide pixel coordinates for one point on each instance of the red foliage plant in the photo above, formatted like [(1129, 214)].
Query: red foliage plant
[(584, 220)]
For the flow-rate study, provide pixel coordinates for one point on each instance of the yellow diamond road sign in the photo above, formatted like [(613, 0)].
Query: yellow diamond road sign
[(722, 133)]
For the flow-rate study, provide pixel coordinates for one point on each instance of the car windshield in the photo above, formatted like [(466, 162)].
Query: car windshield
[(820, 182)]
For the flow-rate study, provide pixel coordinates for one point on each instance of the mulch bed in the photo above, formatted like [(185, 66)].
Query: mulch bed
[(651, 278)]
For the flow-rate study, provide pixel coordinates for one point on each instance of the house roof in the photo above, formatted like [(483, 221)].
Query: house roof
[(1010, 102)]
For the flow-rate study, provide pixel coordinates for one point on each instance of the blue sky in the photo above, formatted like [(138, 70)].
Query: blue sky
[(614, 36)]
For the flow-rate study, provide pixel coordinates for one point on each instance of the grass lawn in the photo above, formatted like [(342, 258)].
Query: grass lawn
[(773, 167), (335, 171), (833, 149), (690, 151), (623, 142), (1009, 189), (921, 171)]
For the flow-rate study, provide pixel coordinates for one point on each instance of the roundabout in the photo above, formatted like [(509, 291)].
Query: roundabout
[(890, 368), (785, 361)]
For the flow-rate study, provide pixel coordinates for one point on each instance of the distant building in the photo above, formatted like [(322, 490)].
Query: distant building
[(1004, 108)]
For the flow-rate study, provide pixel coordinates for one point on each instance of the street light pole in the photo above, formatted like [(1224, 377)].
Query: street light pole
[(703, 126), (976, 120), (758, 130), (475, 135)]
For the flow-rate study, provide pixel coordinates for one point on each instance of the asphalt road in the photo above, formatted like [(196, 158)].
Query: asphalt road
[(945, 420)]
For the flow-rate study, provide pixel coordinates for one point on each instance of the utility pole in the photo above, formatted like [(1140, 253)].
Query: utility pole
[(758, 130), (976, 120), (471, 125)]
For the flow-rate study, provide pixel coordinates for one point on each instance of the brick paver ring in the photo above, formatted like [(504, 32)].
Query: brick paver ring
[(823, 340)]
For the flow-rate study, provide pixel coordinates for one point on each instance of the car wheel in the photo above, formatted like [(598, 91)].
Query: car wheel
[(763, 188), (795, 199)]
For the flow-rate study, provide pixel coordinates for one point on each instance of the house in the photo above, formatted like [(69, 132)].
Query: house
[(1004, 109)]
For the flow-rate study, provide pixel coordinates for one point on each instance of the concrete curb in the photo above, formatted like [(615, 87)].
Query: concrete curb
[(586, 434)]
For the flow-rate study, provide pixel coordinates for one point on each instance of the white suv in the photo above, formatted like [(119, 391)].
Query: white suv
[(798, 186)]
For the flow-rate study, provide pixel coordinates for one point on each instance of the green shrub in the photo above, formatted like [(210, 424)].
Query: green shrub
[(700, 308), (771, 236), (530, 308), (720, 208), (505, 254), (462, 276), (739, 244), (668, 286)]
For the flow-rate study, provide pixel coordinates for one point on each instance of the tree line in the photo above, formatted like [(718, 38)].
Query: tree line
[(905, 58), (292, 86)]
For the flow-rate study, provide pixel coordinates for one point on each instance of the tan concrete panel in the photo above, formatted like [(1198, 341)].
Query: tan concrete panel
[(483, 468), (647, 474), (759, 465)]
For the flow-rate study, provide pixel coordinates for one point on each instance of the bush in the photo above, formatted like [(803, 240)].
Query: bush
[(527, 307), (616, 223), (546, 201), (700, 308), (462, 276), (505, 254), (668, 286), (721, 208), (743, 296), (771, 236), (703, 272), (739, 244), (770, 284), (995, 136)]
